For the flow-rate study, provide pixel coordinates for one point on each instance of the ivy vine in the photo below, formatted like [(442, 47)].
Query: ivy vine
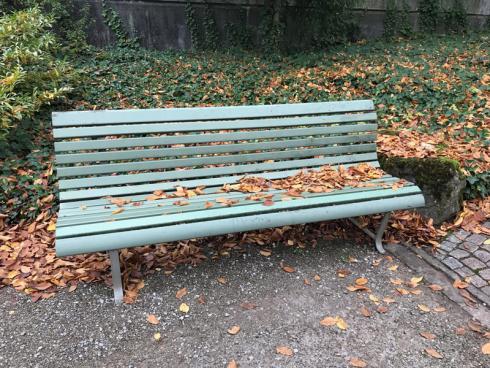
[(397, 20), (113, 21)]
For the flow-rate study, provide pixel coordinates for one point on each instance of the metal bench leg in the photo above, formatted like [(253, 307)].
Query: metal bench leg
[(116, 276), (378, 237)]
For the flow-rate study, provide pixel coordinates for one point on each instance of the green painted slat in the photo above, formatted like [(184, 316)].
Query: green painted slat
[(212, 160), (134, 238), (212, 149), (85, 145), (87, 118), (207, 172), (167, 208), (200, 126), (76, 198), (224, 212)]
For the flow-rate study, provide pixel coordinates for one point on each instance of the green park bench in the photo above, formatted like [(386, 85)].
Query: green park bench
[(109, 162)]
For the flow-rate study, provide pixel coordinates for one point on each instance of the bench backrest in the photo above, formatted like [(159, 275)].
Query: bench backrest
[(123, 152)]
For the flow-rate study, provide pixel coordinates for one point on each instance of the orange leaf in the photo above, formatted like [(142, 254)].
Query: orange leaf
[(232, 364), (222, 280), (365, 312), (485, 349), (428, 335), (181, 293), (361, 281), (153, 319), (458, 284), (284, 350), (119, 210), (234, 330), (358, 363), (436, 287)]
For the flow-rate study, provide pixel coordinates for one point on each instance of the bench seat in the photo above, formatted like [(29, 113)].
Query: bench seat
[(110, 162)]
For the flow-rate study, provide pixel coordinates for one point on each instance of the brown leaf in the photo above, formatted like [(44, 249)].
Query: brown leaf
[(365, 312), (475, 326), (222, 280), (284, 350), (268, 202), (423, 308), (358, 363), (439, 309), (208, 204), (151, 318), (181, 293), (433, 353), (287, 268), (307, 282), (328, 321), (232, 364), (436, 287), (382, 309), (317, 278), (343, 272), (428, 335), (234, 330), (201, 299), (248, 306)]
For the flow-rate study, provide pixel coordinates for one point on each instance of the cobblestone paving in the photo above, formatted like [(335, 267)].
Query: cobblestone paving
[(468, 255)]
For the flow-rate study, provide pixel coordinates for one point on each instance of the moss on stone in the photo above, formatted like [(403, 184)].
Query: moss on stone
[(432, 174)]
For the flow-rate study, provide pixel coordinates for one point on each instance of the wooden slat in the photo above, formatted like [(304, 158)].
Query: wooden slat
[(226, 212), (203, 126), (212, 160), (104, 117), (76, 198), (84, 145), (102, 181), (211, 149), (166, 207)]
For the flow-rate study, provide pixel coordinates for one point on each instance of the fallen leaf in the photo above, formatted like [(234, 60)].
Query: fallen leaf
[(157, 336), (458, 284), (393, 268), (222, 280), (475, 326), (284, 350), (208, 204), (341, 324), (460, 331), (433, 353), (343, 273), (436, 287), (396, 281), (234, 330), (181, 293), (317, 278), (402, 291), (361, 281), (287, 268), (307, 282), (248, 306), (423, 308), (265, 252), (428, 335), (119, 210), (365, 312), (358, 363), (201, 299), (373, 298), (414, 281), (485, 349), (328, 321), (153, 319), (439, 309), (51, 226), (268, 202), (382, 309), (232, 364), (184, 308)]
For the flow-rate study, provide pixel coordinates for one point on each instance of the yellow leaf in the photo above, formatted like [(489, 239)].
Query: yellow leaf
[(284, 350), (153, 319), (485, 349), (424, 308), (119, 210), (51, 226), (157, 336), (234, 330), (358, 363), (393, 268), (184, 308), (373, 298), (487, 242), (341, 324)]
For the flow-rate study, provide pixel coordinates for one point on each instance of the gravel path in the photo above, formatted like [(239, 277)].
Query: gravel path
[(84, 328)]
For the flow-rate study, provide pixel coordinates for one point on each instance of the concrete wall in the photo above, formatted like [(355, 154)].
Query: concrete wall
[(161, 24)]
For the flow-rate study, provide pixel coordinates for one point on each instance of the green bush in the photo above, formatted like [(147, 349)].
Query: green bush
[(30, 74)]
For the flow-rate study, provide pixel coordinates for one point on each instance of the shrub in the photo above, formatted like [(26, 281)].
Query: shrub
[(30, 74)]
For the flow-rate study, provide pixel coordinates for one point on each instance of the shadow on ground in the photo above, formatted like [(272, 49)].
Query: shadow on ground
[(85, 329)]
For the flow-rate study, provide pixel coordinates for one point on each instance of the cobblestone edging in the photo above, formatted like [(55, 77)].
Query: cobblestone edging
[(468, 255)]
